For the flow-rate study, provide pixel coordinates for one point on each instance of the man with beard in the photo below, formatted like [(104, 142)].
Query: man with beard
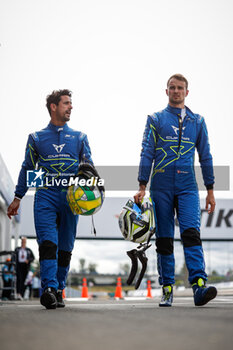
[(56, 152)]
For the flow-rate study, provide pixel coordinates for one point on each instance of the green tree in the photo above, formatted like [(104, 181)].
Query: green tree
[(82, 263), (92, 268), (215, 273), (124, 268)]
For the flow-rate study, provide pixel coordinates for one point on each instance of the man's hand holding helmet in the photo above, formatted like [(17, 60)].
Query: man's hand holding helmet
[(140, 194)]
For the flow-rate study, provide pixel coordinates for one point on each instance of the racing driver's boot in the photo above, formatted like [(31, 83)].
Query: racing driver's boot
[(60, 301), (167, 296), (48, 298), (202, 294)]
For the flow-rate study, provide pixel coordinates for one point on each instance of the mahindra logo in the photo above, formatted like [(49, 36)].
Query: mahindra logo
[(59, 148)]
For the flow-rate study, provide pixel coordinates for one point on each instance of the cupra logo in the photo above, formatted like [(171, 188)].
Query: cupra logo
[(59, 148), (177, 129)]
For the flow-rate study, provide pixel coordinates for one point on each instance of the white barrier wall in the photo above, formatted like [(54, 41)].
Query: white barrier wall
[(8, 228), (218, 225)]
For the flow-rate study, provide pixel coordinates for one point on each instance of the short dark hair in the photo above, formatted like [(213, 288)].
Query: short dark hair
[(55, 97), (178, 77)]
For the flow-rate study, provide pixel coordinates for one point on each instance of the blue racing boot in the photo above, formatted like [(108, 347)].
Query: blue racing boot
[(202, 294), (167, 296)]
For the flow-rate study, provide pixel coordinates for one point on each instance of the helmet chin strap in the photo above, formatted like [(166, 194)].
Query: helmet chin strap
[(93, 230), (135, 255)]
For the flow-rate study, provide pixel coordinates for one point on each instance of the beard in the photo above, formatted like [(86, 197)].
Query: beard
[(65, 117)]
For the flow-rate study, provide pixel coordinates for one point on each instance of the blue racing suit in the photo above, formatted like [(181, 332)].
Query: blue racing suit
[(57, 151), (169, 144)]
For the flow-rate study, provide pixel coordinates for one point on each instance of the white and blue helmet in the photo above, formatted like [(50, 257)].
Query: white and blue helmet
[(137, 223)]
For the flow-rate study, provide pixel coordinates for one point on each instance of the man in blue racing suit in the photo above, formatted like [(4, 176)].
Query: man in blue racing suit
[(55, 152), (169, 142)]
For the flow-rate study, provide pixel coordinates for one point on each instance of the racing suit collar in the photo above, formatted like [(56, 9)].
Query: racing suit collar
[(57, 128), (177, 111), (174, 110)]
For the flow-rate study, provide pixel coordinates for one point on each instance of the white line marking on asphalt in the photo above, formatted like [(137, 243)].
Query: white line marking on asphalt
[(113, 306)]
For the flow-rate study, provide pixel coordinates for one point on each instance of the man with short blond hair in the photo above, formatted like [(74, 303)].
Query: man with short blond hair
[(179, 77), (169, 143)]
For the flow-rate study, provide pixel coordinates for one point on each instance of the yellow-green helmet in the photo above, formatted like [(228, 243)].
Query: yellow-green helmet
[(86, 199)]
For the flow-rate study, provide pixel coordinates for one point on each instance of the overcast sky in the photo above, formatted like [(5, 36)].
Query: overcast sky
[(116, 57)]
